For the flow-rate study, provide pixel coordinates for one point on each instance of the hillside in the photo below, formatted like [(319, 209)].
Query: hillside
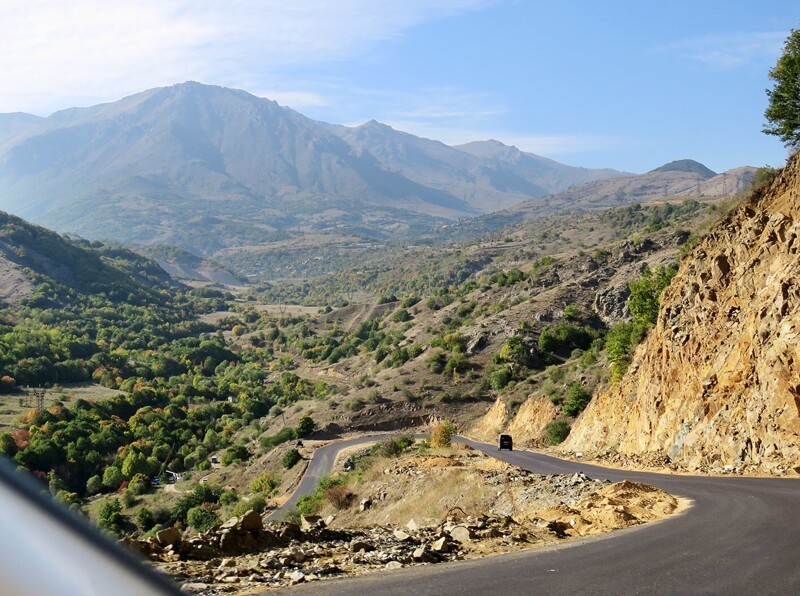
[(246, 169), (32, 256), (715, 385)]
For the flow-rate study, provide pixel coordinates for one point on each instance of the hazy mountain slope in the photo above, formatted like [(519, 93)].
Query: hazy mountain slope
[(549, 174), (16, 123), (31, 255), (142, 163), (486, 174), (656, 185), (716, 382), (237, 168)]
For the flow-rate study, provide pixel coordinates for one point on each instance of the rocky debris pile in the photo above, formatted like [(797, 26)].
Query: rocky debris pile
[(466, 505), (309, 551)]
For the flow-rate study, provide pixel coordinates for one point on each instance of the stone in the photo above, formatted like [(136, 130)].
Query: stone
[(297, 577), (251, 522), (413, 526), (329, 520), (359, 545), (194, 587), (461, 534), (228, 562), (309, 522), (441, 545), (168, 536), (365, 504), (420, 554), (401, 535), (394, 565)]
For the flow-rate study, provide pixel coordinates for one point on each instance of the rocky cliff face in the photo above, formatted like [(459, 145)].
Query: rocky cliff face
[(716, 384)]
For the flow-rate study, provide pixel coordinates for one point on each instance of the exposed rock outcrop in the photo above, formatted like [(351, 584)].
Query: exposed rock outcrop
[(716, 384)]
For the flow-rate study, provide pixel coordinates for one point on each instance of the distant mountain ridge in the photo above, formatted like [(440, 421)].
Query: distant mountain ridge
[(207, 167)]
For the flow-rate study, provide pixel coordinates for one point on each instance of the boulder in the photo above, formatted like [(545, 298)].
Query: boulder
[(461, 534), (309, 522), (168, 536), (251, 522), (401, 535), (394, 565), (441, 546)]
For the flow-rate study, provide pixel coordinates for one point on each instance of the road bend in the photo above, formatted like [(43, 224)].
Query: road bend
[(741, 536)]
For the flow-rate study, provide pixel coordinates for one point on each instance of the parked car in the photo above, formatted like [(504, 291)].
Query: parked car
[(214, 459), (505, 442)]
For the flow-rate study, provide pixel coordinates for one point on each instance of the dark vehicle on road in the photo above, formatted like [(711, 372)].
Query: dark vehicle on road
[(505, 442)]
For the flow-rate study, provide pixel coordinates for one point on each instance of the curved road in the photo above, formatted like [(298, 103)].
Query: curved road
[(742, 536)]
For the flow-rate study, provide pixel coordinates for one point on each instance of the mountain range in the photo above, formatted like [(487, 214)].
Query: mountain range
[(238, 168), (215, 170)]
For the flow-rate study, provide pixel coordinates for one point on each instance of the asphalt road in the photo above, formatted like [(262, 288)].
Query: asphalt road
[(321, 463), (742, 536)]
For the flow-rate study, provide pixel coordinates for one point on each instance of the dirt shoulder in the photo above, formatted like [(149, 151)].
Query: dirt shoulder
[(415, 509)]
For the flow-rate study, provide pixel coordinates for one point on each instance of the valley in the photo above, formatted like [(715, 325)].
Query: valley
[(205, 349)]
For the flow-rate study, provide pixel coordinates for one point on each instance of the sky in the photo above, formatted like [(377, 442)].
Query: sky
[(623, 84)]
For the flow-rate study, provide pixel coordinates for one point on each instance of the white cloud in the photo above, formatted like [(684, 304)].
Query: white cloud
[(729, 51), (56, 54)]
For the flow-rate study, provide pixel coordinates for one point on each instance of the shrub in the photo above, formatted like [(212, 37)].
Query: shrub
[(128, 497), (94, 485), (437, 361), (393, 447), (442, 434), (203, 493), (339, 497), (257, 504), (309, 504), (577, 399), (557, 431), (145, 519), (112, 477), (500, 378), (401, 316), (139, 484), (201, 518), (285, 434), (265, 483), (235, 453), (290, 458), (228, 497)]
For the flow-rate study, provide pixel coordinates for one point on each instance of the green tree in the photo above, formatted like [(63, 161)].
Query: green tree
[(557, 431), (646, 292), (94, 485), (305, 426), (112, 477), (134, 463), (290, 458), (111, 515), (783, 111), (577, 399)]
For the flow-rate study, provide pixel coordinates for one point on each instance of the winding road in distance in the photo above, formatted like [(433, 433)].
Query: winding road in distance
[(742, 536)]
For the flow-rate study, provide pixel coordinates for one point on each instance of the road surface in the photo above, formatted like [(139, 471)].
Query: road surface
[(742, 536)]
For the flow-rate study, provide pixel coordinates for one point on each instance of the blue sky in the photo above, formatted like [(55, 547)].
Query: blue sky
[(624, 84)]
